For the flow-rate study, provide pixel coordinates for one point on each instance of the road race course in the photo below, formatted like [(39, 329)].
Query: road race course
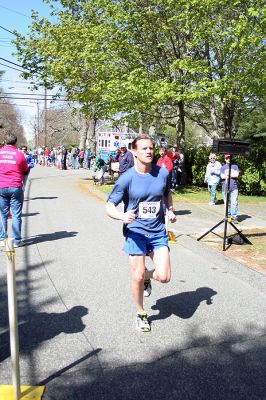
[(76, 314)]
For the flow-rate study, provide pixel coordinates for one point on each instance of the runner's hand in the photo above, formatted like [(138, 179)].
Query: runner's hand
[(171, 216), (129, 216)]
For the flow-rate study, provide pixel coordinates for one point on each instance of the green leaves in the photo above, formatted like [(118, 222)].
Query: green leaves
[(131, 56)]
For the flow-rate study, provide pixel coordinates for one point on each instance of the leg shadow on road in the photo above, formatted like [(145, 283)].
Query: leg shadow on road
[(40, 327), (183, 305), (49, 237)]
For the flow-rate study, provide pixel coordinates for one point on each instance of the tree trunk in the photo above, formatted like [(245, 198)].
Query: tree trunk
[(91, 129), (181, 124), (215, 131), (228, 116)]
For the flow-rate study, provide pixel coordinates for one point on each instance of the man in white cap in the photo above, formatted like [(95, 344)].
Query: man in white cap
[(126, 159)]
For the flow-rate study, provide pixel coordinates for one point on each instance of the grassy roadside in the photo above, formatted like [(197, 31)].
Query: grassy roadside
[(193, 194)]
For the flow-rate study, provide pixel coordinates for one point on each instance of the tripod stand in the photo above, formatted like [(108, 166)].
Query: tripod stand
[(227, 219)]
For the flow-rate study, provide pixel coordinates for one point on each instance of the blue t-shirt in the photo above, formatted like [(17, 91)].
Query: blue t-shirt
[(233, 181), (143, 193)]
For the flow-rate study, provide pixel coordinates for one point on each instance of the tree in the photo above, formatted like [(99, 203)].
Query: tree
[(10, 119), (152, 60)]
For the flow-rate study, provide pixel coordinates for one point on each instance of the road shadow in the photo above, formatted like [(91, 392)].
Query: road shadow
[(219, 202), (183, 305), (40, 327), (30, 214), (243, 217), (68, 367), (229, 369), (183, 212), (49, 237), (43, 198)]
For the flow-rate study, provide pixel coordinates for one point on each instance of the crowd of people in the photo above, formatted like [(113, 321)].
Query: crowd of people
[(61, 157)]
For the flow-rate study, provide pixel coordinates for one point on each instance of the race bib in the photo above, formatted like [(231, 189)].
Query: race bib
[(149, 209)]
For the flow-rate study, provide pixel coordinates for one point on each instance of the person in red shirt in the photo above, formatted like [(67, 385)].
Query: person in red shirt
[(164, 160), (13, 166)]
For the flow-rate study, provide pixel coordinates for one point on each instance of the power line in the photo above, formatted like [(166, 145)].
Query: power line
[(14, 11), (10, 80), (27, 98), (8, 66), (7, 30), (11, 62), (28, 94)]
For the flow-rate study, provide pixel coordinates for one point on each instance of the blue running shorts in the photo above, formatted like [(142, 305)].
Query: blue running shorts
[(140, 244)]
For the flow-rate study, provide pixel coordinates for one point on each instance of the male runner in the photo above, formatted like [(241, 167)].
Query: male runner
[(143, 189)]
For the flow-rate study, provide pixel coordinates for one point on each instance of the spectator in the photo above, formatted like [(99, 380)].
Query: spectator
[(212, 177), (81, 157), (63, 158), (100, 166), (13, 165), (164, 160), (88, 157), (30, 163), (74, 157), (46, 154), (177, 158), (126, 159), (117, 155), (231, 186)]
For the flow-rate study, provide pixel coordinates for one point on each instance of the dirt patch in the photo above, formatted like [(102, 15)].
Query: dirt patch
[(253, 255)]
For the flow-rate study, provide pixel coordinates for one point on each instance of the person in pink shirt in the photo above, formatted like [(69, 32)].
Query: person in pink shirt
[(13, 166)]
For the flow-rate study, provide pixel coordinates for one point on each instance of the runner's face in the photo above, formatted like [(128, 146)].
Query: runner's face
[(144, 151)]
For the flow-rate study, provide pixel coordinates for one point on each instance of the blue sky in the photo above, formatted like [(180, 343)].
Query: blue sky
[(16, 14)]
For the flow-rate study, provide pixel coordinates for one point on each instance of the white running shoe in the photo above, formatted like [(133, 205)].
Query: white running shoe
[(142, 322), (147, 288)]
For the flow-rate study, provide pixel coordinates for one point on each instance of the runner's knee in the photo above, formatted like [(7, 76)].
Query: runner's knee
[(138, 276), (163, 277)]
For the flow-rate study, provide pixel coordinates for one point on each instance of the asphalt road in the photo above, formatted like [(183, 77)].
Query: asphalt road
[(76, 315)]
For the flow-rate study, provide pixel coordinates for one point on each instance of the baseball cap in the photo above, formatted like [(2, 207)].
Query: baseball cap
[(123, 145)]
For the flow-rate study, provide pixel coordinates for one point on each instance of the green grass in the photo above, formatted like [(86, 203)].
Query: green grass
[(193, 194)]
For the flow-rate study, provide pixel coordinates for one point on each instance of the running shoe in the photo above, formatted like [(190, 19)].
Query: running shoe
[(147, 288), (142, 322)]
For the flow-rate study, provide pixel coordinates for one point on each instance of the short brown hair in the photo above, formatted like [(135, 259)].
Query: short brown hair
[(140, 137), (11, 139)]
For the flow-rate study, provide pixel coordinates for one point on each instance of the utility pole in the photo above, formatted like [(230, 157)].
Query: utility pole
[(38, 125), (45, 116)]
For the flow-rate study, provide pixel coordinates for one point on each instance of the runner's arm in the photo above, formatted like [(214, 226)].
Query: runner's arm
[(168, 201), (114, 213)]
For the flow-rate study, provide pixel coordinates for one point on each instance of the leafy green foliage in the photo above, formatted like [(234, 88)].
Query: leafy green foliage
[(152, 60)]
